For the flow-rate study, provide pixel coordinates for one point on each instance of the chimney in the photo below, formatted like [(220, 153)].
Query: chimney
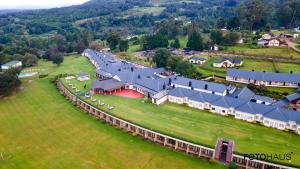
[(131, 69), (164, 86), (119, 70), (291, 72), (170, 81), (190, 84), (252, 70), (205, 86), (139, 76)]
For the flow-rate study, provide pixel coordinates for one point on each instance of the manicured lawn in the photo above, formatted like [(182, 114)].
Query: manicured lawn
[(272, 52), (201, 126), (41, 129)]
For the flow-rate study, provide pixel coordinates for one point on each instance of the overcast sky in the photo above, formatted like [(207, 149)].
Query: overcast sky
[(37, 4)]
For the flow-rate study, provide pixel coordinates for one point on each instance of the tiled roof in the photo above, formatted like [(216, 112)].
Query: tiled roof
[(264, 76)]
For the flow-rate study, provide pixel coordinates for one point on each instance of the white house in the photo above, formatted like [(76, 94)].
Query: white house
[(228, 62), (214, 47), (11, 64), (274, 43), (266, 36), (196, 60)]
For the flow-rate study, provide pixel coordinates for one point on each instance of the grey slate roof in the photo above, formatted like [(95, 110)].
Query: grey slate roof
[(293, 96), (199, 84), (107, 85), (263, 98), (236, 61), (182, 92), (204, 97), (264, 76), (243, 93), (228, 102)]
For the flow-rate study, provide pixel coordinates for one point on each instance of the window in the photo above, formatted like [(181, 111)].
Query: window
[(223, 111)]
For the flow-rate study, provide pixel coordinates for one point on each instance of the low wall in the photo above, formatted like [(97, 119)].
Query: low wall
[(159, 138)]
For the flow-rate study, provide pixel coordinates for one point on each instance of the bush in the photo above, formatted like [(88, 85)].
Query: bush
[(43, 76)]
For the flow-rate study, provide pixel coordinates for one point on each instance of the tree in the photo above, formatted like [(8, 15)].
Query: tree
[(253, 14), (231, 38), (96, 45), (195, 41), (9, 80), (289, 13), (216, 36), (221, 23), (175, 44), (233, 23), (57, 59), (154, 41), (113, 40), (123, 46), (161, 57), (29, 60)]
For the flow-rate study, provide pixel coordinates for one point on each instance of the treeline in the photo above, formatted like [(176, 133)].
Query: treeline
[(163, 58)]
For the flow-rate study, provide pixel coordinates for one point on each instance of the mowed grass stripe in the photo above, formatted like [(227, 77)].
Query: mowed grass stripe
[(40, 129)]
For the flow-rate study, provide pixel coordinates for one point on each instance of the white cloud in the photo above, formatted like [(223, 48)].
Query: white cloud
[(29, 4)]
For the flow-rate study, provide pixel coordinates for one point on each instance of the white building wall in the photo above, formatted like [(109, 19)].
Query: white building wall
[(274, 123), (244, 116)]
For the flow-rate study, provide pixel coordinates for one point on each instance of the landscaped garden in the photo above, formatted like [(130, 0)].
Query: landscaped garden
[(199, 126)]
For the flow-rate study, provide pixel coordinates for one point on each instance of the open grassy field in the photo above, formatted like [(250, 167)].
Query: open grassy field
[(272, 52), (41, 129), (201, 126)]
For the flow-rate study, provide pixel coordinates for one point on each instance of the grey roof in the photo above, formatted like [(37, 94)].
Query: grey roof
[(237, 61), (278, 114), (182, 92), (243, 93), (107, 85), (228, 102), (11, 63), (204, 97), (293, 96), (196, 59), (264, 76), (254, 108), (263, 98), (199, 84)]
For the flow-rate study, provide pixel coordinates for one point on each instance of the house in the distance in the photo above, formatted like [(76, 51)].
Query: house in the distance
[(83, 77), (274, 43), (228, 62), (196, 60), (11, 64)]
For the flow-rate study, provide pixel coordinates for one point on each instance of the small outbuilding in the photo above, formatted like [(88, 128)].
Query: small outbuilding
[(83, 76)]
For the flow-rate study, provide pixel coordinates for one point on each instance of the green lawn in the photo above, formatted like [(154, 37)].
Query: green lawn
[(250, 64), (201, 126), (271, 52), (41, 129)]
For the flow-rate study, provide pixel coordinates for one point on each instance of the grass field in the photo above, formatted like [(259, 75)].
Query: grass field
[(41, 129), (250, 64), (272, 52), (201, 126)]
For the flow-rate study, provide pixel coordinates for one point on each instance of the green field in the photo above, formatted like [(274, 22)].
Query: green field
[(250, 64), (41, 129), (271, 52), (201, 126)]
